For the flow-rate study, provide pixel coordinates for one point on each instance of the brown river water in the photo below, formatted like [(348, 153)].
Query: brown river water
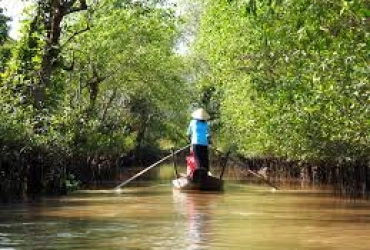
[(156, 217)]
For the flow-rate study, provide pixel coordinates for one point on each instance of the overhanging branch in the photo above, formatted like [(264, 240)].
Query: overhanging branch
[(75, 34), (69, 7)]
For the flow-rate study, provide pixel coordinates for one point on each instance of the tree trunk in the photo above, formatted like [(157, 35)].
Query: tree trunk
[(53, 12)]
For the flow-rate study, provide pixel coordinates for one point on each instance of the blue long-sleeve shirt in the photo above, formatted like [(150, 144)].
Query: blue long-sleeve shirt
[(199, 132)]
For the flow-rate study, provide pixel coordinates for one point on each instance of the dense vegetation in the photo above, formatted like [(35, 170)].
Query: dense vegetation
[(85, 84), (91, 85), (290, 76), (290, 79)]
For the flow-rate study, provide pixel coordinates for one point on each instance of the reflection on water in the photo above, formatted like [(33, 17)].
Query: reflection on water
[(197, 209), (242, 217)]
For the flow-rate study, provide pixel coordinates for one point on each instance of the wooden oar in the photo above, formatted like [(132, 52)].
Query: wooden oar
[(150, 167), (262, 178), (248, 169)]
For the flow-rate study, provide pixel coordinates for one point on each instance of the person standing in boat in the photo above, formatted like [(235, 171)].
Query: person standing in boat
[(199, 136)]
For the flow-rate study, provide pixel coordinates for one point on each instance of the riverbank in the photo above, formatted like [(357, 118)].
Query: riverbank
[(30, 174)]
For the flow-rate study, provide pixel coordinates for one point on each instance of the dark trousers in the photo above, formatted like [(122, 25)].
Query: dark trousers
[(201, 156)]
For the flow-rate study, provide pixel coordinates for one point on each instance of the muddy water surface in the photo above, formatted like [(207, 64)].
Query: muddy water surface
[(156, 217)]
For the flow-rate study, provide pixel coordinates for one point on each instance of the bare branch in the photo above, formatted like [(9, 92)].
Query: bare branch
[(75, 34), (108, 104), (68, 7)]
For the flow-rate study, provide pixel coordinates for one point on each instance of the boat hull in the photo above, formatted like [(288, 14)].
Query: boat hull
[(209, 183)]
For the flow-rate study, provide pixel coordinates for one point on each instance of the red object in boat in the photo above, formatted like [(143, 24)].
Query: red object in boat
[(190, 164)]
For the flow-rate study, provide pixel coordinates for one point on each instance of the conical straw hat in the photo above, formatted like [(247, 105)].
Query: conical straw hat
[(200, 114)]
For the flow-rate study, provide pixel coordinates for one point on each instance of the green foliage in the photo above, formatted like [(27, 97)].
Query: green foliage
[(4, 28), (5, 55), (22, 71), (140, 74), (292, 75), (5, 42), (121, 90), (106, 85), (72, 183)]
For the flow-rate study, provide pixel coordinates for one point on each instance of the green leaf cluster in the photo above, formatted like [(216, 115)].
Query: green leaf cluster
[(5, 41), (292, 76), (115, 86), (85, 82)]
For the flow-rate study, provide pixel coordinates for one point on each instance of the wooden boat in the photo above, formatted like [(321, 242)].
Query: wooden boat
[(201, 181)]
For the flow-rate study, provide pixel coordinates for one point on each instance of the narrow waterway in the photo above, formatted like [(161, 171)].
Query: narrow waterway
[(156, 217)]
